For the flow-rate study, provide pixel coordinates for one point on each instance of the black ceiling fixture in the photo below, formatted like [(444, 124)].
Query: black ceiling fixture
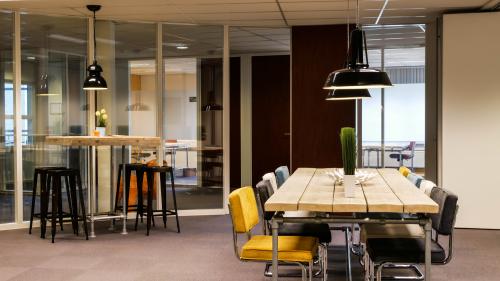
[(357, 74), (94, 80)]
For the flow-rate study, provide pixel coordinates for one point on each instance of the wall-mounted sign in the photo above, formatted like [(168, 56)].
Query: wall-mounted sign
[(192, 99)]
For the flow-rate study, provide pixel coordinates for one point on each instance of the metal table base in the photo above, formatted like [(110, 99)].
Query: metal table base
[(421, 220)]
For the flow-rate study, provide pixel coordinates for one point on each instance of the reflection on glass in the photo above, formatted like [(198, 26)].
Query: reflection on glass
[(126, 52), (192, 124), (7, 202), (53, 103)]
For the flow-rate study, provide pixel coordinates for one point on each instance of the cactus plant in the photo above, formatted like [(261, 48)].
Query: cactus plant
[(348, 142)]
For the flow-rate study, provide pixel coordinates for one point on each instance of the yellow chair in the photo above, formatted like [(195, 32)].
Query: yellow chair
[(404, 171), (291, 249)]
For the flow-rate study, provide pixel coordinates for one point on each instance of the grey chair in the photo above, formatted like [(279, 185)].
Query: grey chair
[(409, 252)]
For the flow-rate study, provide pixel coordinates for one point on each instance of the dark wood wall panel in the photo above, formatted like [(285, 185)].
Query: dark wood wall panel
[(270, 114), (316, 123), (234, 124)]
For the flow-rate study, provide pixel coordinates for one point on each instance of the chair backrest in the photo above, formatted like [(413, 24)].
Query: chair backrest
[(444, 221), (404, 171), (282, 174), (271, 177), (264, 191), (415, 179), (243, 208), (426, 186), (411, 147)]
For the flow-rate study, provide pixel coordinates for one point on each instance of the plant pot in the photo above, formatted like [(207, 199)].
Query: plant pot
[(101, 130), (350, 186)]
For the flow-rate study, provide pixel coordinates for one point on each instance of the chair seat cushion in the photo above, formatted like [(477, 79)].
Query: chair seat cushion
[(290, 248), (318, 230), (402, 250), (369, 231)]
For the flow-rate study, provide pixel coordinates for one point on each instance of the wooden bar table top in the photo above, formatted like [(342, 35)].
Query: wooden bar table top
[(311, 189), (116, 140)]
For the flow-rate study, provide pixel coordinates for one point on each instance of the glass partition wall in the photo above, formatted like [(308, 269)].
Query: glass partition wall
[(183, 104), (7, 187), (393, 120), (193, 112), (53, 54)]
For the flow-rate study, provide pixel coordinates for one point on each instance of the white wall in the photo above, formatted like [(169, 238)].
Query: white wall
[(471, 116), (143, 123), (180, 122)]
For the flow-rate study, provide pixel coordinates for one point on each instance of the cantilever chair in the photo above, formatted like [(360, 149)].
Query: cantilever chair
[(271, 177), (409, 252), (404, 171), (300, 250), (320, 231), (282, 174), (400, 156)]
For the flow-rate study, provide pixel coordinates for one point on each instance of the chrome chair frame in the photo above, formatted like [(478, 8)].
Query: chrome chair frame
[(375, 270), (306, 268), (322, 251)]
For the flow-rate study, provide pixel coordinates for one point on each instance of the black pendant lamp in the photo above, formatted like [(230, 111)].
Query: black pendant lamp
[(357, 74), (94, 80), (342, 94)]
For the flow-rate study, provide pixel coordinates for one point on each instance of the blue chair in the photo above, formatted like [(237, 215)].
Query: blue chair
[(282, 174), (415, 179)]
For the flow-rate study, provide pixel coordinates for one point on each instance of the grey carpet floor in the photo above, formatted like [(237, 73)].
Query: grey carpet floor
[(202, 251)]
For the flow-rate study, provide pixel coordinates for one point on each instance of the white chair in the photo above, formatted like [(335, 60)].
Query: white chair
[(271, 177)]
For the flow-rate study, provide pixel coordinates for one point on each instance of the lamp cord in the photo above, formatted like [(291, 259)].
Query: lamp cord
[(95, 45)]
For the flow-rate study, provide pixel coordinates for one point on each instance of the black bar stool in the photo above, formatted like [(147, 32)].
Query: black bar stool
[(73, 183), (139, 173), (164, 212), (42, 173)]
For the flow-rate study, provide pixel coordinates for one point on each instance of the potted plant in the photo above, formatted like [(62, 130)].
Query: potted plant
[(348, 142), (102, 118)]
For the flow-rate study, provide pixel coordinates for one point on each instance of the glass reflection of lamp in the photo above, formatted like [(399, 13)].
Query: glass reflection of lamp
[(42, 88)]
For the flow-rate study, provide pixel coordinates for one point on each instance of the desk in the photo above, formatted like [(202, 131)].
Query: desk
[(311, 189), (92, 142)]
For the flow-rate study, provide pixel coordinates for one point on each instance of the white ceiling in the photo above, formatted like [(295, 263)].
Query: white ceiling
[(277, 13)]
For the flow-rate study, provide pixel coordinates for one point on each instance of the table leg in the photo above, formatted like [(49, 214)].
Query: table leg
[(368, 159), (428, 261), (91, 190), (112, 183), (124, 230), (275, 249), (187, 157)]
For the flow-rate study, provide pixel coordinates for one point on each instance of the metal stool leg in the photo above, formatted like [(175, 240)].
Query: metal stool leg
[(163, 185), (149, 218), (175, 200), (33, 199)]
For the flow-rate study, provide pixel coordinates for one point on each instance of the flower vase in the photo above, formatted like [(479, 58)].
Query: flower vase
[(349, 186), (101, 130)]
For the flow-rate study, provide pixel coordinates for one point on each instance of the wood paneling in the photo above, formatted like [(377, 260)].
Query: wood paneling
[(234, 124), (270, 114), (316, 123)]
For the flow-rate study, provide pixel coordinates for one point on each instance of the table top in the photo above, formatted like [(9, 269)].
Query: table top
[(311, 189), (115, 140)]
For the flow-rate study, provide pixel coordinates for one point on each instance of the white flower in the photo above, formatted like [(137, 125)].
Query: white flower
[(103, 111), (97, 113), (105, 116)]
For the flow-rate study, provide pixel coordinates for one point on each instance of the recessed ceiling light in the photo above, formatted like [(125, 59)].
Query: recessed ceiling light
[(182, 47), (30, 58)]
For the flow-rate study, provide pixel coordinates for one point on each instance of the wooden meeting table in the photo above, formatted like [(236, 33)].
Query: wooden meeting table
[(313, 190)]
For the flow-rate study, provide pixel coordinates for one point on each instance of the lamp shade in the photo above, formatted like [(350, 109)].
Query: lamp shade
[(352, 78), (342, 94), (94, 80), (358, 74)]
